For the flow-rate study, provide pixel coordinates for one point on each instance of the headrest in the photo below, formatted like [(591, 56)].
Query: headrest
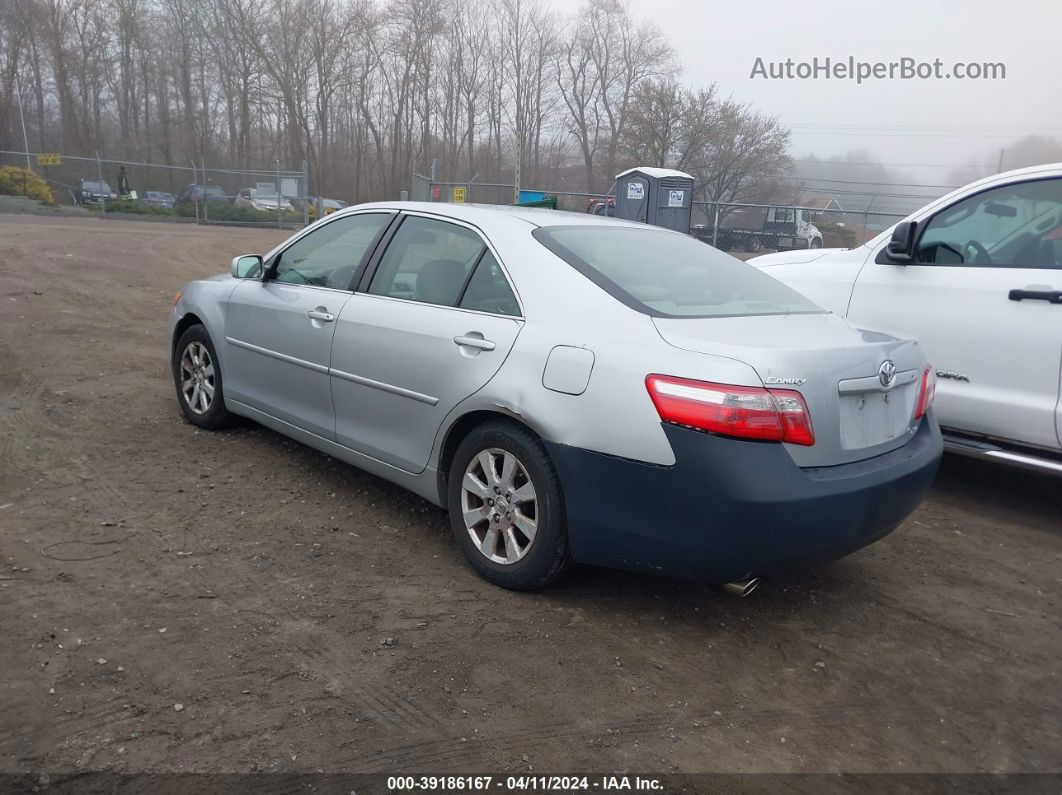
[(440, 281)]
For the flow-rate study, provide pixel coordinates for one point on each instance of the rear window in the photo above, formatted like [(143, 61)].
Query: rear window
[(666, 274)]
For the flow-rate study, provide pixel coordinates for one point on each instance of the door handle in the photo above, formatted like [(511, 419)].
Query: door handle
[(474, 342), (1051, 296), (319, 314)]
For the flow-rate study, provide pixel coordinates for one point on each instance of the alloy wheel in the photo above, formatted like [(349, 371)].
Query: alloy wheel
[(499, 506), (198, 379)]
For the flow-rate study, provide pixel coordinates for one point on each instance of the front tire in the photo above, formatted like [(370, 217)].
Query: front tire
[(507, 508), (197, 377)]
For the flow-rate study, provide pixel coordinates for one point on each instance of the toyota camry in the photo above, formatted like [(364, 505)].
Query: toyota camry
[(570, 388)]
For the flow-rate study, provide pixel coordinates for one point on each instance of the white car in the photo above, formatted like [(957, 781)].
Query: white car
[(252, 199), (976, 276)]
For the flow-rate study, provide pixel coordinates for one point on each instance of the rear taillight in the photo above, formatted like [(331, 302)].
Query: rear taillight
[(926, 392), (747, 412)]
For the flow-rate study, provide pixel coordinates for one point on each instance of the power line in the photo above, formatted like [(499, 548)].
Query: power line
[(865, 182), (1008, 127), (922, 197), (892, 165), (904, 135)]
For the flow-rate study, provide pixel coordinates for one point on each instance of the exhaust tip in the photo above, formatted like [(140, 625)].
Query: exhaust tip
[(742, 587)]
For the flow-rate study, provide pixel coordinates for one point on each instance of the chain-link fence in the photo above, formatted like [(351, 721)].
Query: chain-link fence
[(424, 188), (194, 193), (730, 226), (752, 228)]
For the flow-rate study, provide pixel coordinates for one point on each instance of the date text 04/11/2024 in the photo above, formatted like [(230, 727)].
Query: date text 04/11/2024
[(523, 783)]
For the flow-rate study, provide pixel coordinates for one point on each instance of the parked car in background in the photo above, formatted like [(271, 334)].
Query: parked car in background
[(159, 199), (570, 387), (599, 206), (198, 194), (976, 276), (91, 191), (328, 206), (253, 199)]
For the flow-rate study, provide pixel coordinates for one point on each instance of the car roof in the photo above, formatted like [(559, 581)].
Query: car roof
[(475, 213)]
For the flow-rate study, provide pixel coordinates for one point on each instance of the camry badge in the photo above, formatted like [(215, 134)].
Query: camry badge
[(887, 373), (953, 375), (790, 381)]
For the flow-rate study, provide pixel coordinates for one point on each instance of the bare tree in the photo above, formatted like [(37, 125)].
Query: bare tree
[(362, 89)]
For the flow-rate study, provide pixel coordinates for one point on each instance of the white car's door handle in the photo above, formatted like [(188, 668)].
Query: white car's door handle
[(319, 314), (1051, 296), (474, 342)]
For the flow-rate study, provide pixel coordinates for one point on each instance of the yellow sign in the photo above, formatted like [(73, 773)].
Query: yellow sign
[(48, 160), (459, 195)]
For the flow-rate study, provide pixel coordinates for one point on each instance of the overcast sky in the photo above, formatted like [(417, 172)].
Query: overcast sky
[(901, 121)]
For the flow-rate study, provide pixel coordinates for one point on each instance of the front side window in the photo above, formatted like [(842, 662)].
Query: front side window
[(667, 274), (330, 255), (427, 260), (1017, 225)]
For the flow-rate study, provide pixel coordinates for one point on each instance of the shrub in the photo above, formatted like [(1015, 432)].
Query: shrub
[(836, 235), (218, 211), (15, 181), (128, 205)]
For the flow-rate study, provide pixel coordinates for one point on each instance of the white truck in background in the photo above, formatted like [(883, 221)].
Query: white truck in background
[(783, 229), (977, 277)]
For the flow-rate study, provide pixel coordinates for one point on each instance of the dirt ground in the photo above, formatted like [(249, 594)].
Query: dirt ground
[(306, 616)]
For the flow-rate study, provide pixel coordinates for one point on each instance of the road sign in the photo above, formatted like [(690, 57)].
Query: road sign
[(459, 195), (51, 159)]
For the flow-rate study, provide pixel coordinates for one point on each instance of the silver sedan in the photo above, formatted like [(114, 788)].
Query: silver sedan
[(570, 388)]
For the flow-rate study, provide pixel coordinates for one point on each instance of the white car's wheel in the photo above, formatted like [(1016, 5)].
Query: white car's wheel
[(197, 376), (506, 507)]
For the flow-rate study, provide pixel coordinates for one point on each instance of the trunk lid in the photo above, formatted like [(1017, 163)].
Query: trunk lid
[(834, 365)]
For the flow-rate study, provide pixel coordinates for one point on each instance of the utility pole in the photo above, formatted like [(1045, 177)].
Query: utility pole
[(22, 118), (519, 165), (999, 168)]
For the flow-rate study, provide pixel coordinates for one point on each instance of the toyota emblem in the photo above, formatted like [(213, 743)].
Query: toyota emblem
[(887, 373)]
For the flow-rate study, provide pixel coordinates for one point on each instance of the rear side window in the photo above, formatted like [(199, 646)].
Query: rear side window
[(667, 274), (427, 260), (488, 291)]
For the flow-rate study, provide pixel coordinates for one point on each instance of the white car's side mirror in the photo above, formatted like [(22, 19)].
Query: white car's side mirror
[(901, 247), (247, 266)]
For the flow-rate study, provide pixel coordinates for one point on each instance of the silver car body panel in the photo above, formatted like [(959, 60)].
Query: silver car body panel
[(398, 382)]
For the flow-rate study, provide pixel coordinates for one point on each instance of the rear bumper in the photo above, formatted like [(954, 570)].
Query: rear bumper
[(728, 509)]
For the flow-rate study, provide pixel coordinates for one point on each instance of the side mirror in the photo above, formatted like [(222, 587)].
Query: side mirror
[(247, 266), (901, 247)]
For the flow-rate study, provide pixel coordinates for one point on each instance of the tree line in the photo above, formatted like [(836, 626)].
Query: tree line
[(365, 89)]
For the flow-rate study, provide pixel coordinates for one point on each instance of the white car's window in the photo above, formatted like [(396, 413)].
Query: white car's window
[(668, 274), (427, 260), (488, 291), (1017, 225), (329, 255)]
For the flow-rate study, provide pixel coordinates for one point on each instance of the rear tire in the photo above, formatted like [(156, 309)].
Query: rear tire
[(507, 508), (197, 378)]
